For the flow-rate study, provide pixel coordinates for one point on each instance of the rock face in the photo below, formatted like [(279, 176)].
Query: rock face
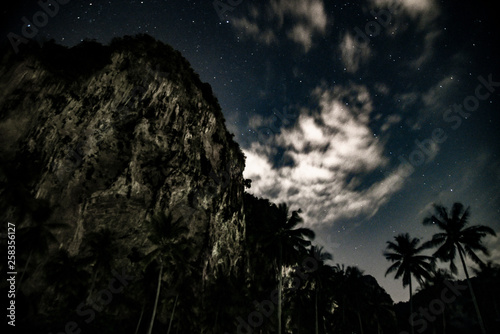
[(107, 136)]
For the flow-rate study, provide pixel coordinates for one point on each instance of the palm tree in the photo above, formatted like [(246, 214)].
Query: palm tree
[(353, 290), (456, 236), (433, 287), (407, 262), (379, 306), (287, 243), (318, 276), (66, 275), (169, 238), (101, 247), (145, 286), (37, 237), (489, 273)]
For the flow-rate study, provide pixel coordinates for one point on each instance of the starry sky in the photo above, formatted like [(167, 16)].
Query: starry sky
[(360, 113)]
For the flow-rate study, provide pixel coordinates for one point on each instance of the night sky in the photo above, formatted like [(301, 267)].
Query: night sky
[(362, 114)]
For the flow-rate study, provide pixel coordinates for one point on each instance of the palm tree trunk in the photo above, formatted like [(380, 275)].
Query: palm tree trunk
[(280, 286), (216, 316), (172, 315), (92, 285), (140, 318), (444, 321), (360, 322), (316, 308), (476, 306), (343, 312), (411, 309), (150, 330)]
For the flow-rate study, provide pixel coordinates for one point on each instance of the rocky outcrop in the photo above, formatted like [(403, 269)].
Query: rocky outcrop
[(107, 136)]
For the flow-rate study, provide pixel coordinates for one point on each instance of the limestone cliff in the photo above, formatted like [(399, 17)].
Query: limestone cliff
[(106, 136)]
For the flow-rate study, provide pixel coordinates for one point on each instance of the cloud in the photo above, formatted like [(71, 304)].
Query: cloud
[(381, 88), (304, 20), (422, 11), (353, 55), (424, 14), (435, 101), (493, 245), (253, 30), (428, 48), (389, 121), (330, 155)]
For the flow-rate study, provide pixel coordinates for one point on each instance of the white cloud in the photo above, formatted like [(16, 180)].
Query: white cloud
[(253, 30), (427, 49), (255, 121), (389, 121), (492, 243), (406, 100), (382, 88), (308, 19), (332, 150), (422, 11), (353, 54), (435, 101)]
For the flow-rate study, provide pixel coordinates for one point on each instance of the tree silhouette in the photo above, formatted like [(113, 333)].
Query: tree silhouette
[(456, 236), (67, 277), (379, 306), (319, 277), (351, 290), (145, 286), (37, 237), (404, 253), (287, 243), (489, 273), (99, 247), (432, 288), (168, 237)]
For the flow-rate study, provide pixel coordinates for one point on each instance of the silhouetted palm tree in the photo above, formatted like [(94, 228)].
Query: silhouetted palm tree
[(100, 248), (65, 274), (318, 276), (356, 291), (433, 287), (288, 244), (351, 294), (169, 238), (379, 307), (407, 262), (37, 237), (145, 285), (489, 273), (456, 236)]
